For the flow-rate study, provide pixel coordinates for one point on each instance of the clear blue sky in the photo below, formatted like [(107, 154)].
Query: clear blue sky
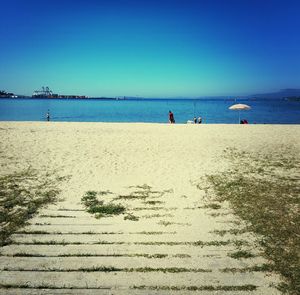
[(150, 48)]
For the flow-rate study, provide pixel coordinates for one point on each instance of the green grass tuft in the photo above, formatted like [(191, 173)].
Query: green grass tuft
[(95, 206), (241, 254), (131, 217), (264, 191), (22, 195), (214, 206), (153, 202), (255, 268)]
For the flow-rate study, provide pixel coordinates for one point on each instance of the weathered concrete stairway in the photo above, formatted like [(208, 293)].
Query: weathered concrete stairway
[(169, 250)]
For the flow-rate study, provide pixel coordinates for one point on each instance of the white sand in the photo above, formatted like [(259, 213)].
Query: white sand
[(115, 157)]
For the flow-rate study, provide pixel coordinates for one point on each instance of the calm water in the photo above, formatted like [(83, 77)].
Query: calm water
[(150, 110)]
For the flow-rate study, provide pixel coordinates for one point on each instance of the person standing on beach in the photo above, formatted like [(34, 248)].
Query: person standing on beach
[(48, 116), (199, 120), (171, 118)]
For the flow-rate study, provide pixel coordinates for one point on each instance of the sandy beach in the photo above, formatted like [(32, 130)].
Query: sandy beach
[(163, 162)]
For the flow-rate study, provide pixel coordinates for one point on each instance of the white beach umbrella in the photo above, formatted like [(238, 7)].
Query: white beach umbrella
[(240, 107)]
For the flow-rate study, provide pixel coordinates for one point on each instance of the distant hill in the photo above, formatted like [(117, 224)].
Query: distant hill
[(280, 94)]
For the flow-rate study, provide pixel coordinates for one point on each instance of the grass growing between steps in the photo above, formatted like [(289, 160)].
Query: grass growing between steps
[(21, 196), (49, 287), (197, 288), (101, 204), (111, 269), (241, 254), (143, 255), (95, 206), (264, 191)]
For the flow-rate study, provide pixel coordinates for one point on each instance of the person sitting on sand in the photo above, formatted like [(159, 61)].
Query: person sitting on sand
[(195, 120), (171, 118), (199, 120)]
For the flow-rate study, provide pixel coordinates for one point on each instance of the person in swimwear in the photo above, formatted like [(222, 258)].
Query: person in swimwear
[(171, 118)]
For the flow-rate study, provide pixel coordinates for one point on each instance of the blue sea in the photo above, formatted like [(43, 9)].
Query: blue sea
[(149, 110)]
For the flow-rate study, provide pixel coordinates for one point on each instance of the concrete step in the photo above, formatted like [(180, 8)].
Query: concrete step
[(134, 261), (212, 251), (127, 280), (125, 238), (31, 291)]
